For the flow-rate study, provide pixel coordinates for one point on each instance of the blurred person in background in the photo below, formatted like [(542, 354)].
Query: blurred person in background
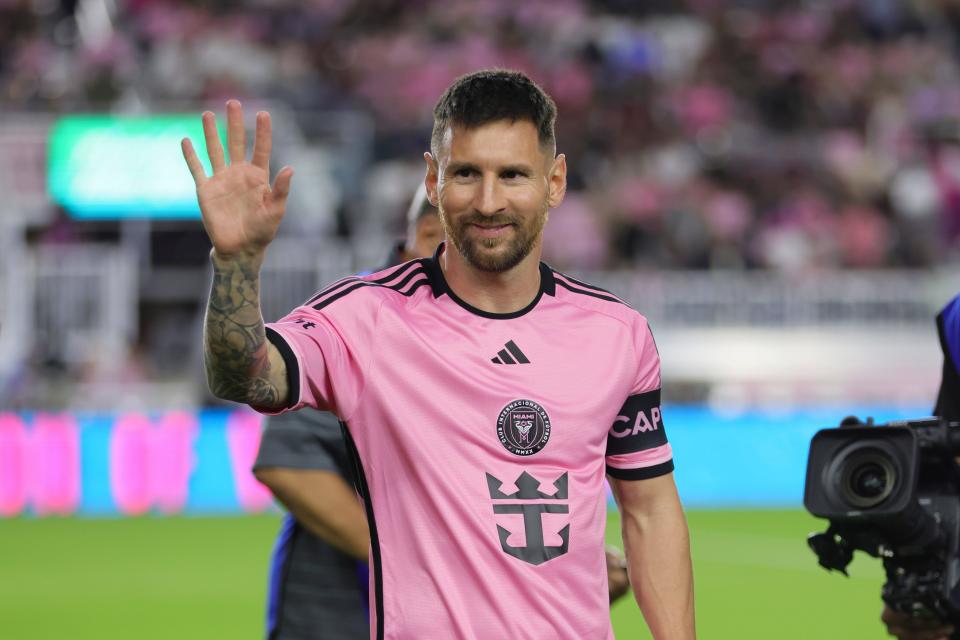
[(899, 624), (318, 576), (948, 323), (415, 422)]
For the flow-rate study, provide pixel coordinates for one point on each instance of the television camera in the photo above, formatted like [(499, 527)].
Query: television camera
[(893, 491)]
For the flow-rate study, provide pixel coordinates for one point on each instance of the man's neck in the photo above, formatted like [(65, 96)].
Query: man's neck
[(504, 292)]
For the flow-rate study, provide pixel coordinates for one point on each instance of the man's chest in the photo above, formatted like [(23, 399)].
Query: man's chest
[(519, 389)]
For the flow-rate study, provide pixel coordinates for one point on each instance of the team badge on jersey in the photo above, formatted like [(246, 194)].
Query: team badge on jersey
[(523, 427)]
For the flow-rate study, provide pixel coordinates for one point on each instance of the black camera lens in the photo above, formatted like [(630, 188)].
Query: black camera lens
[(867, 477), (869, 481)]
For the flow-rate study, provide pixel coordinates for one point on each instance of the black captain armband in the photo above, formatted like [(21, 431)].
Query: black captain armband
[(638, 425)]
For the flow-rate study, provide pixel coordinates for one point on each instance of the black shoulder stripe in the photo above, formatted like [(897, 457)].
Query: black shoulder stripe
[(371, 283), (592, 294), (357, 280), (382, 280), (417, 285), (396, 272), (339, 284), (583, 284), (357, 285), (410, 276)]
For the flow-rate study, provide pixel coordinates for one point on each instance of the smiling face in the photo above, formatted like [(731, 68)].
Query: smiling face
[(493, 185)]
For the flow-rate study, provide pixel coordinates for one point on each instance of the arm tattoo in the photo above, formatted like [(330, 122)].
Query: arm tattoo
[(235, 343)]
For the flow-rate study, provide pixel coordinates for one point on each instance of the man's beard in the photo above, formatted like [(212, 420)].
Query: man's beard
[(476, 250)]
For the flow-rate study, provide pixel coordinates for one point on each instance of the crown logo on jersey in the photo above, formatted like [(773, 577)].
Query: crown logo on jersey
[(510, 354), (535, 551), (528, 488)]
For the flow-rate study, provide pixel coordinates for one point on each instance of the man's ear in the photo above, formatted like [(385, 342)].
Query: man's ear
[(557, 181), (432, 179)]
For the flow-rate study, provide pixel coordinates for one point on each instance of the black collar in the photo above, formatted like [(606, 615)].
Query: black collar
[(438, 283)]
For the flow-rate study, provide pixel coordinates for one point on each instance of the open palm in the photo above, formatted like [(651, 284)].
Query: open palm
[(241, 211)]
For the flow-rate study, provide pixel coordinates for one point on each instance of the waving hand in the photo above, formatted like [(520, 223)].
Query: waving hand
[(241, 211), (241, 214)]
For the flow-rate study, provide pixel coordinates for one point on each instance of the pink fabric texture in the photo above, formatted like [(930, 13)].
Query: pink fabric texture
[(483, 442)]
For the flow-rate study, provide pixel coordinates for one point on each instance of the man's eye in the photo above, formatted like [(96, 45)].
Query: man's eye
[(512, 175), (463, 173)]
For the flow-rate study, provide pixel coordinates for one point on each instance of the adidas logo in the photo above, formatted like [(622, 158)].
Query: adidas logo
[(511, 354)]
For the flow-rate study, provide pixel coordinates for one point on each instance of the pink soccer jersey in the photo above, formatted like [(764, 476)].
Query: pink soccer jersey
[(482, 441)]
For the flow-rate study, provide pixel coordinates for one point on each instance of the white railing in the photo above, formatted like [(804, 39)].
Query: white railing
[(294, 270), (16, 290), (697, 299), (85, 302), (767, 299)]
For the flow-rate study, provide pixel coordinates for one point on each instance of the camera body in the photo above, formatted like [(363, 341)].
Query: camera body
[(892, 491)]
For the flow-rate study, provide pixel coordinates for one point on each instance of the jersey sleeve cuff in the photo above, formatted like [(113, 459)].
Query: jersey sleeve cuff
[(641, 473), (292, 364)]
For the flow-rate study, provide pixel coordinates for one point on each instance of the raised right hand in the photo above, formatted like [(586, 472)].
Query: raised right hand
[(241, 212)]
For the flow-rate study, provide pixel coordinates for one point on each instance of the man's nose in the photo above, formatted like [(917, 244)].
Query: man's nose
[(490, 200)]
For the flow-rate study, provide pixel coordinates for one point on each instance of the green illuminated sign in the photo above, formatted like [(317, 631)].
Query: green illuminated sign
[(108, 167)]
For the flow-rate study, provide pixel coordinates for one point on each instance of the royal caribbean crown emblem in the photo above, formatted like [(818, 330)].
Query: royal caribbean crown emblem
[(523, 427)]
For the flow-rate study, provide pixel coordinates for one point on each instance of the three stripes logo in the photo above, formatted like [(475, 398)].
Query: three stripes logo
[(510, 354)]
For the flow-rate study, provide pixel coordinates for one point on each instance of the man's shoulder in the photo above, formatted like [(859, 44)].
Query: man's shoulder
[(400, 281), (593, 299)]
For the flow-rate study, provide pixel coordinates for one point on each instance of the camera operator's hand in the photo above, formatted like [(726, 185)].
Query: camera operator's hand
[(906, 627)]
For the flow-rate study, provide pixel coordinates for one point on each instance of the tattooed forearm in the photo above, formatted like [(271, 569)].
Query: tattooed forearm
[(236, 351)]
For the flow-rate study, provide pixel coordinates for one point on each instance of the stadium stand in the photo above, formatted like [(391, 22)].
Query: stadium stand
[(714, 140)]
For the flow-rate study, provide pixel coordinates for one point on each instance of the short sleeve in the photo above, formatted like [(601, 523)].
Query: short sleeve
[(637, 446), (327, 353), (301, 440)]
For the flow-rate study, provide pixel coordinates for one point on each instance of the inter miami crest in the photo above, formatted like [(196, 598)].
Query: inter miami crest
[(523, 427)]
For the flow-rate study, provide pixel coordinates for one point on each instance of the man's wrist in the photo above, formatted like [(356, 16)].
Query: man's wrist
[(247, 259)]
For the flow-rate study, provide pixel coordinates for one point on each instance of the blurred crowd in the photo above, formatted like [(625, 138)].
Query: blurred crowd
[(700, 134)]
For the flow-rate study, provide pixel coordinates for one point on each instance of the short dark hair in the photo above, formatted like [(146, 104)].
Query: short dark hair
[(490, 95)]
